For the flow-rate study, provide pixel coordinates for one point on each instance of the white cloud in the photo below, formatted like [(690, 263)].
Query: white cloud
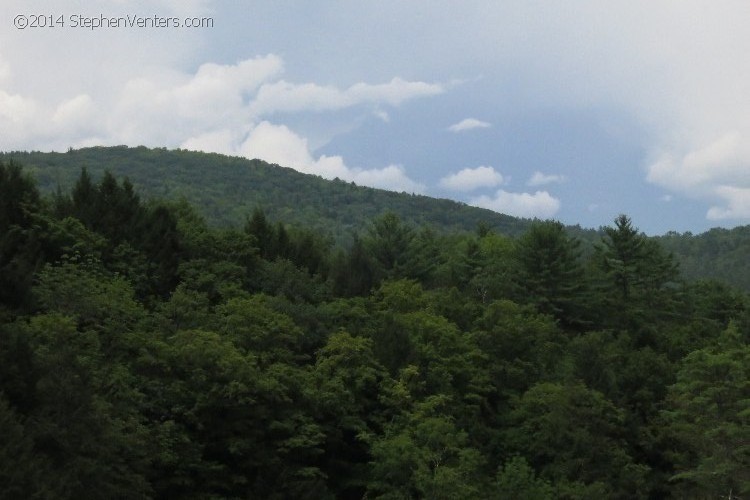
[(394, 92), (470, 179), (218, 141), (278, 144), (283, 96), (540, 179), (540, 204), (215, 109), (721, 160), (217, 87), (392, 177), (133, 87), (78, 113), (677, 69), (15, 109), (718, 171), (468, 124), (383, 115), (737, 204)]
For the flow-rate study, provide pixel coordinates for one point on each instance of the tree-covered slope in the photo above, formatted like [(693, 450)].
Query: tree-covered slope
[(722, 254), (147, 355), (227, 189)]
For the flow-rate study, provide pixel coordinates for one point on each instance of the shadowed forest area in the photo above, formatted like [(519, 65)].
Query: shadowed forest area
[(149, 352)]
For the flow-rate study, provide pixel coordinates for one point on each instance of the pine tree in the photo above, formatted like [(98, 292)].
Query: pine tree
[(550, 273)]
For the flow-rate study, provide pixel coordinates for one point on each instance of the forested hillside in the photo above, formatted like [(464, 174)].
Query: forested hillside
[(148, 353), (225, 189), (723, 254)]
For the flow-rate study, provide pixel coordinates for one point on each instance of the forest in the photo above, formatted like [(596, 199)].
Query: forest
[(225, 189), (149, 352)]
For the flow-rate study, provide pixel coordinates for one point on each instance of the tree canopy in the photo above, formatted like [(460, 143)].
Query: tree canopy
[(146, 352)]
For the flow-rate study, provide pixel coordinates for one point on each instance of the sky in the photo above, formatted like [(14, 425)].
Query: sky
[(576, 111)]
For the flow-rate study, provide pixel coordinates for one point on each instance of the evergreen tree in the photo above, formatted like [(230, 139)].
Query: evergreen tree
[(85, 199), (21, 240), (550, 273), (637, 274), (259, 227), (388, 241)]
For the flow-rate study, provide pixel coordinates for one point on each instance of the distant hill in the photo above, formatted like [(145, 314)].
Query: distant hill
[(227, 189), (722, 254)]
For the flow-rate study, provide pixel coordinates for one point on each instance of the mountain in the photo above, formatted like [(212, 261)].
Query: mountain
[(227, 189)]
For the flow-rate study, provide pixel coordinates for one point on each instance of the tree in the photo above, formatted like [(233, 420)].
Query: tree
[(409, 334), (21, 472), (637, 275), (85, 422), (230, 423), (574, 437), (96, 300), (354, 272), (516, 479), (84, 199), (347, 381), (160, 242), (708, 418), (263, 232), (550, 273), (21, 252), (388, 241), (425, 455), (19, 197)]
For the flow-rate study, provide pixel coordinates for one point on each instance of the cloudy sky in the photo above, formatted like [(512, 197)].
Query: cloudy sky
[(576, 110)]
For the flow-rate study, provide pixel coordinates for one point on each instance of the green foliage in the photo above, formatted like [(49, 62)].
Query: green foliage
[(709, 418), (550, 272), (574, 436), (147, 353), (82, 290), (83, 425), (388, 241), (719, 254), (20, 247), (19, 469), (227, 189), (354, 272), (347, 380), (516, 479), (424, 455), (637, 270)]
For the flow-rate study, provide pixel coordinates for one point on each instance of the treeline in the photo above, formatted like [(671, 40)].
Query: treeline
[(226, 189), (147, 354)]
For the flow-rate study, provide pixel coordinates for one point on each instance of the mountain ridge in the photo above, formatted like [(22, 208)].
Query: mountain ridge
[(226, 189)]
